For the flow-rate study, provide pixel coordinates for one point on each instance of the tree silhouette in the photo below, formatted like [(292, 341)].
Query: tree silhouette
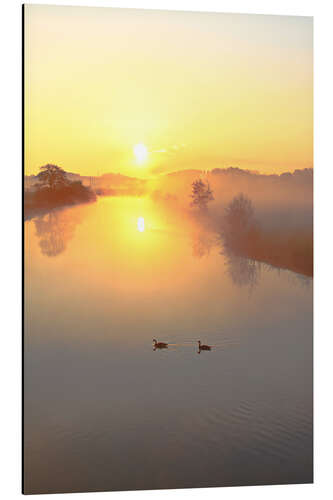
[(239, 212), (52, 176), (239, 223), (201, 194)]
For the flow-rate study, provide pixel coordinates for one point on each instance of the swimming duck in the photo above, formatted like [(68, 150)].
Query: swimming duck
[(203, 347), (159, 345)]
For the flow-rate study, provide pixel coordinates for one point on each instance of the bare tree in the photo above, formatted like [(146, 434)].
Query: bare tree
[(239, 213), (238, 222), (201, 194), (52, 176)]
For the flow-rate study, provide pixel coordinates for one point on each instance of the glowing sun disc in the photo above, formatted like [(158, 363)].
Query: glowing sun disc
[(141, 224), (140, 152)]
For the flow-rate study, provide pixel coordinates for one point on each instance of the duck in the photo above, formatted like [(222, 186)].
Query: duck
[(203, 347), (159, 345)]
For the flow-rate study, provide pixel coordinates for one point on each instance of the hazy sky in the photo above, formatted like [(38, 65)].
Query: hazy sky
[(199, 90)]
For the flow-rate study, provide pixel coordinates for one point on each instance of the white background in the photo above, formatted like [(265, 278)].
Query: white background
[(10, 237)]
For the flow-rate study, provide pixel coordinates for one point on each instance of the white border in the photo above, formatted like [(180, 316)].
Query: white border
[(10, 101)]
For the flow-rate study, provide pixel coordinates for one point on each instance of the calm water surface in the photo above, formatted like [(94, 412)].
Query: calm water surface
[(103, 411)]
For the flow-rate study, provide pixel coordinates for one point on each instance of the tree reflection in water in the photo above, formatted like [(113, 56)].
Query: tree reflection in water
[(202, 244), (243, 272), (54, 230)]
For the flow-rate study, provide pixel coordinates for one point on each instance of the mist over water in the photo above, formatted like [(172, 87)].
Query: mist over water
[(103, 410)]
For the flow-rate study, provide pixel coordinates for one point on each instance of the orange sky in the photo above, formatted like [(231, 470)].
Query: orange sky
[(199, 90)]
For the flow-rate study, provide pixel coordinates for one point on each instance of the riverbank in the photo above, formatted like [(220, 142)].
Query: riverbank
[(284, 250), (45, 199)]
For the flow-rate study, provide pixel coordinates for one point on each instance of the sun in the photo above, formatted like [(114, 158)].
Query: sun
[(140, 152), (141, 224)]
